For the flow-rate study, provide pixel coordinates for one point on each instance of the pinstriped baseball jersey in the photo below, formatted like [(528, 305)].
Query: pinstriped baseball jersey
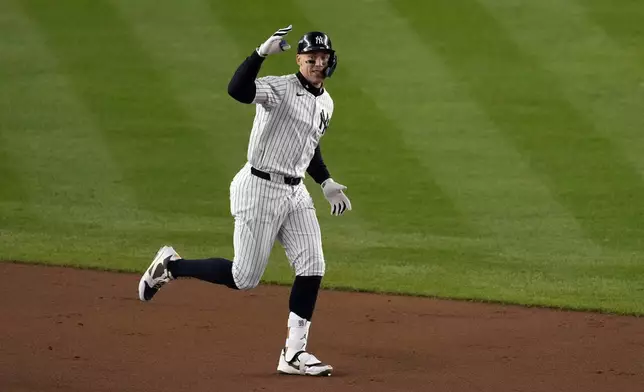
[(288, 125)]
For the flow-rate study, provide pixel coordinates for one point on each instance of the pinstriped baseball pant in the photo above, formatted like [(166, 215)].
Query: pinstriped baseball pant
[(268, 210)]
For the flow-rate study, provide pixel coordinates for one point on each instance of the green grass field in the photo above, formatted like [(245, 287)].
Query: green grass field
[(493, 149)]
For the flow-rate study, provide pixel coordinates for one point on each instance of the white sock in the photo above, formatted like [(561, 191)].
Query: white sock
[(298, 331)]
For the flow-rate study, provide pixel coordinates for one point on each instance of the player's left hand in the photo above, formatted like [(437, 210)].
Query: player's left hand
[(333, 192)]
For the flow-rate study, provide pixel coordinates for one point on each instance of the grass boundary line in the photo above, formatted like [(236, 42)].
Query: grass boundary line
[(347, 289)]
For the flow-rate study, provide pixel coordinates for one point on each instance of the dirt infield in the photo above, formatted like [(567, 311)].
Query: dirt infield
[(72, 330)]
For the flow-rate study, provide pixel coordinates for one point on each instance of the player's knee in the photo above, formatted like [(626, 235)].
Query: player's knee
[(315, 266), (245, 281), (247, 284)]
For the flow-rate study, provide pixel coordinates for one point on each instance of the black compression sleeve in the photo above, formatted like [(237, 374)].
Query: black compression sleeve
[(242, 84), (317, 169)]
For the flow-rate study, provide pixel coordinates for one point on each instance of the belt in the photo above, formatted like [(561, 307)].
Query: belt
[(276, 178)]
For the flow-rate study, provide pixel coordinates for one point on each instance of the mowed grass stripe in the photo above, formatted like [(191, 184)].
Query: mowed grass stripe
[(13, 189), (11, 46), (540, 263), (197, 58), (361, 148), (56, 150), (582, 168), (622, 20), (598, 75), (393, 192), (146, 130), (248, 29), (482, 173), (48, 136), (600, 79)]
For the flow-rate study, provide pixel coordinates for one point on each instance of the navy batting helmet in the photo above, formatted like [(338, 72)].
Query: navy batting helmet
[(317, 41)]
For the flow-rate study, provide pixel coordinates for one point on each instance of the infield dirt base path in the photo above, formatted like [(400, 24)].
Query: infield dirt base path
[(74, 330)]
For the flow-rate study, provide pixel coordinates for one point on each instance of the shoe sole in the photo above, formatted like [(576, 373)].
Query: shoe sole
[(291, 371), (142, 286), (326, 373)]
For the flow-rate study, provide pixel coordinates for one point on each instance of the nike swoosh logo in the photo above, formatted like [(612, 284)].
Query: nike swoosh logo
[(300, 94)]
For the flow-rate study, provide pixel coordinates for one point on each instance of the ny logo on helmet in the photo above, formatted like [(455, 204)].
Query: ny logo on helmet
[(319, 40)]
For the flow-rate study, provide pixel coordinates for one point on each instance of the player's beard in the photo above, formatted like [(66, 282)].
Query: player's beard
[(317, 76)]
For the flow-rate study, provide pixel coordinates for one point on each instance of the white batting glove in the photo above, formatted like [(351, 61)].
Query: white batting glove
[(333, 192), (275, 43)]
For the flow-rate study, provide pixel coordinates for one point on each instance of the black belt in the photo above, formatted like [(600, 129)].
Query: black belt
[(267, 176)]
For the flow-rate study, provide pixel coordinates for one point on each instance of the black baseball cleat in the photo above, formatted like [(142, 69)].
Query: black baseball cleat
[(303, 364), (157, 274)]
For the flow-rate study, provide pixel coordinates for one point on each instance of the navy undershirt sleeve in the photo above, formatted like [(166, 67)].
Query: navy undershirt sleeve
[(317, 169), (242, 85)]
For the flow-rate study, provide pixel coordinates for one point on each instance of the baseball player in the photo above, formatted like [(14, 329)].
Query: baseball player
[(268, 198)]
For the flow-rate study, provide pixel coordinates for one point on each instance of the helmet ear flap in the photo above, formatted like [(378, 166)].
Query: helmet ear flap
[(330, 68)]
